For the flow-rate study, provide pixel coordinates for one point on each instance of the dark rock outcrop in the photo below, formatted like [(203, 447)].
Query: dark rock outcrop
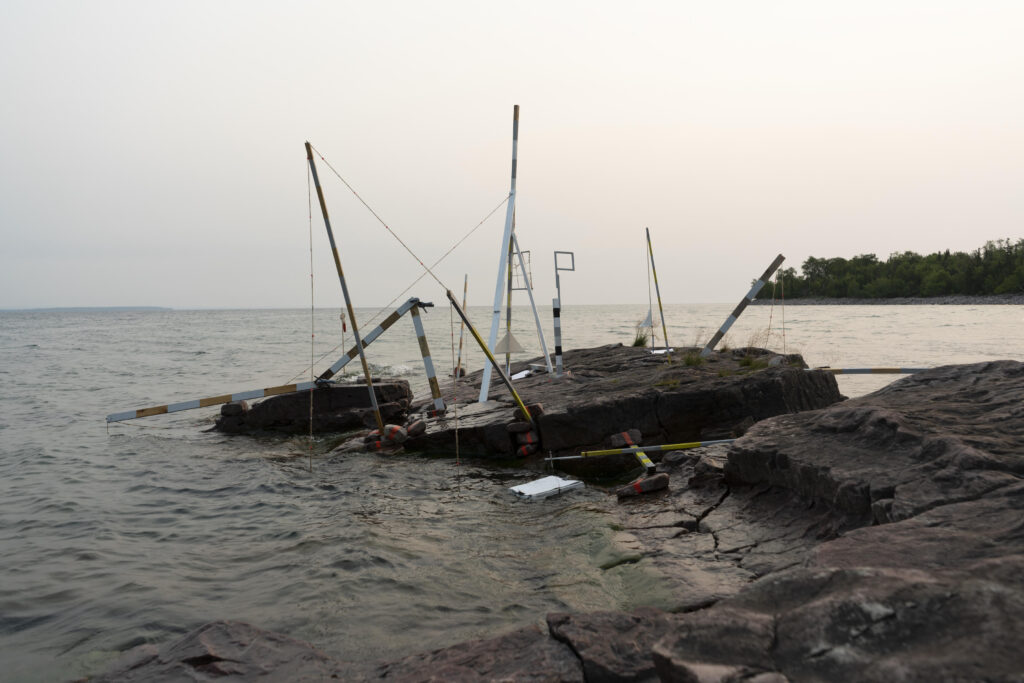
[(620, 389), (336, 408)]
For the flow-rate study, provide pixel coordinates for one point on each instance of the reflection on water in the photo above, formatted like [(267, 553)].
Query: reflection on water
[(110, 538)]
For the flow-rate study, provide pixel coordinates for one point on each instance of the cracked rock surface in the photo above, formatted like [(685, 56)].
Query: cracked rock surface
[(879, 539)]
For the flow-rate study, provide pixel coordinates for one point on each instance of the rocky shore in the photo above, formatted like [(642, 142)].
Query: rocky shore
[(606, 391), (877, 539)]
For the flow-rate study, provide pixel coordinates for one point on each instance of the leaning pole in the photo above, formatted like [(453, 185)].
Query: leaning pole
[(344, 290)]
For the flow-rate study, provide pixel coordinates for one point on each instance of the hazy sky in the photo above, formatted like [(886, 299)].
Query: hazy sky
[(152, 153)]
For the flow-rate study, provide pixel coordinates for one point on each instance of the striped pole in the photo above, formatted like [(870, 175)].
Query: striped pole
[(533, 305), (344, 290), (421, 336), (368, 339), (462, 325), (253, 394), (490, 356), (556, 308), (644, 449), (211, 401), (485, 380), (657, 290), (742, 305), (508, 300), (871, 371), (556, 312)]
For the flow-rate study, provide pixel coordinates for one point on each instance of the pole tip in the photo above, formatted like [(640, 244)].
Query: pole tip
[(515, 112)]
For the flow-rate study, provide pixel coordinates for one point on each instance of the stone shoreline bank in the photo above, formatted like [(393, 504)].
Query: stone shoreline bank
[(877, 539)]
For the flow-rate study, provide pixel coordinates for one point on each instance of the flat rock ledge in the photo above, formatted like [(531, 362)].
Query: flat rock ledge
[(615, 388), (878, 539)]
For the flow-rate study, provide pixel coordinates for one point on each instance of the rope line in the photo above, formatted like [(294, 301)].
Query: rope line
[(379, 219), (312, 312), (388, 306)]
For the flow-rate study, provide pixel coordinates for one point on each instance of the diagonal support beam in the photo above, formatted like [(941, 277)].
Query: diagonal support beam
[(742, 305)]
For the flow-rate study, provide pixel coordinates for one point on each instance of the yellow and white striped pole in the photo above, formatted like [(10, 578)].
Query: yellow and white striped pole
[(344, 289), (369, 339), (250, 395), (253, 394), (657, 290), (490, 356), (428, 363), (742, 305), (644, 449)]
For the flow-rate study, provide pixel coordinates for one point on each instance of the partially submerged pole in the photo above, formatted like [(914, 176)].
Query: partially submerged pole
[(490, 357), (462, 325), (657, 290), (428, 363), (485, 381), (344, 289), (742, 305)]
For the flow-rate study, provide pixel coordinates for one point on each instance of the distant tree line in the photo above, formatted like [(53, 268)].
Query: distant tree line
[(996, 268)]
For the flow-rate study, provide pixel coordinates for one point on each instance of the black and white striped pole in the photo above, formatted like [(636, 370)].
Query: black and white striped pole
[(758, 284), (556, 305)]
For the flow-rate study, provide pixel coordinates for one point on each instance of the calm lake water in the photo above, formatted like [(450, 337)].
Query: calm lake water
[(140, 532)]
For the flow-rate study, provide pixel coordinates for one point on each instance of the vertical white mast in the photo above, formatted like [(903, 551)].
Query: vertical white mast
[(499, 288)]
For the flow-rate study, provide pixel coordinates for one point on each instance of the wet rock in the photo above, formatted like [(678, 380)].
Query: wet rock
[(415, 428), (392, 411), (535, 409), (336, 408), (229, 650), (625, 439), (234, 409), (519, 427), (644, 485), (677, 458), (527, 654), (613, 646)]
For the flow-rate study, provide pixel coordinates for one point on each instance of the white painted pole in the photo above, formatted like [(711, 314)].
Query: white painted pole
[(533, 305), (492, 339), (657, 289)]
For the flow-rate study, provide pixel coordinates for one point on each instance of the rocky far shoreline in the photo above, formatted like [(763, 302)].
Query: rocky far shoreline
[(876, 539), (957, 300)]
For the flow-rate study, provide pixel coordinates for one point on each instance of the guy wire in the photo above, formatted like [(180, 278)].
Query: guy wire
[(387, 306), (312, 318)]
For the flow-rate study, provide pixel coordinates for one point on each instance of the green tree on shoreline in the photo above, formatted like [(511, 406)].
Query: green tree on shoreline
[(996, 268)]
